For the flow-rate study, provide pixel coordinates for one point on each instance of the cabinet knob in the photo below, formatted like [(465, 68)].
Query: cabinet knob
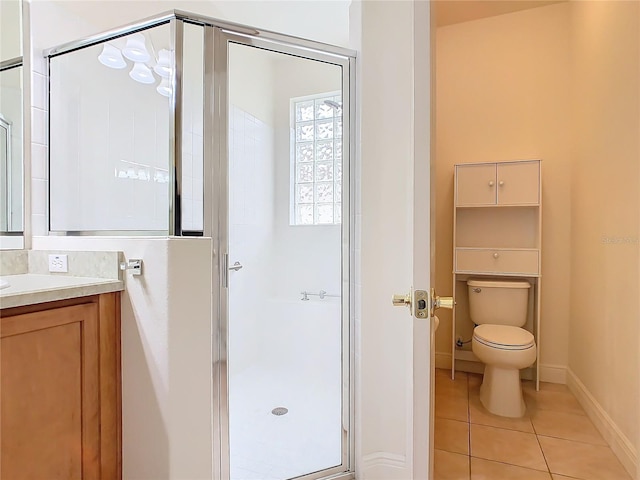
[(491, 183), (501, 183), (495, 255)]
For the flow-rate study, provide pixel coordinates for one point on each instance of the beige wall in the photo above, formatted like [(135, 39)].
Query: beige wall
[(605, 206), (502, 92)]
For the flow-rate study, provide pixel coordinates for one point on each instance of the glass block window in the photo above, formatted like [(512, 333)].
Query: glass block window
[(316, 160)]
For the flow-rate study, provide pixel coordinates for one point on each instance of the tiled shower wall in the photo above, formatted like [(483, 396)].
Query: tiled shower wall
[(118, 132), (251, 181), (193, 129), (39, 146), (109, 146)]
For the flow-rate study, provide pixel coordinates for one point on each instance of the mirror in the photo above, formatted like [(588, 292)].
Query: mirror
[(11, 150), (11, 125)]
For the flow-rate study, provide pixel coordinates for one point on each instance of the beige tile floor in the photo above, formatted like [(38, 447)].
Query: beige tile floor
[(555, 440)]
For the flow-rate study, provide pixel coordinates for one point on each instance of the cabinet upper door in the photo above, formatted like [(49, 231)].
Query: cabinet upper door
[(519, 183), (476, 184)]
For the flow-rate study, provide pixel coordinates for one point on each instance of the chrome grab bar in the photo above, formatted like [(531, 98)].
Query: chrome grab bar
[(322, 294)]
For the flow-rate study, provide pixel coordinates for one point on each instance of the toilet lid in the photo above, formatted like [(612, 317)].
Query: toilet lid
[(504, 337)]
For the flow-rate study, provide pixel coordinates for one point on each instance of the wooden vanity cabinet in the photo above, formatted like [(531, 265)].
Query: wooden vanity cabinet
[(60, 397)]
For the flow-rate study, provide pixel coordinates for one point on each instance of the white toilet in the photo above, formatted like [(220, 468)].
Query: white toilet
[(499, 309)]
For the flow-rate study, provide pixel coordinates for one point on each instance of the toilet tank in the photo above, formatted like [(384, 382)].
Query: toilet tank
[(498, 302)]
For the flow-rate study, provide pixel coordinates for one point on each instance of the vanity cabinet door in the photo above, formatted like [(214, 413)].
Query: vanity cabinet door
[(518, 183), (50, 410), (476, 184)]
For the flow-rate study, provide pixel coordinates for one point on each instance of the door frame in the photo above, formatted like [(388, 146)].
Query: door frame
[(217, 41)]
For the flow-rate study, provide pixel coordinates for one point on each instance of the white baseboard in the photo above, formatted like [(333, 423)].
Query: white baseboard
[(619, 443), (553, 373)]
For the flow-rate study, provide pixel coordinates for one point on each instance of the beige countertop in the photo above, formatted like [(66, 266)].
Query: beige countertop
[(29, 288)]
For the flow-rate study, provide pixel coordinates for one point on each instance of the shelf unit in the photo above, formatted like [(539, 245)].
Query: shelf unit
[(497, 219)]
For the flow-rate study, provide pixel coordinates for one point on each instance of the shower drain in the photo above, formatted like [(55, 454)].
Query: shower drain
[(279, 411)]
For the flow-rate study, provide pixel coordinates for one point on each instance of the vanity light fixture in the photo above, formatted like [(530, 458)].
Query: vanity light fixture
[(163, 66), (135, 49), (111, 57), (164, 88), (141, 73)]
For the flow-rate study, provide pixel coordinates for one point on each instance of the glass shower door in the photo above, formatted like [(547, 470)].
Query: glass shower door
[(287, 350)]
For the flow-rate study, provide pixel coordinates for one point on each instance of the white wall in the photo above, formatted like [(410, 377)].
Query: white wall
[(605, 209)]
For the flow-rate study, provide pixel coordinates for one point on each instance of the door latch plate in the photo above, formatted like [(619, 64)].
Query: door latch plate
[(421, 304)]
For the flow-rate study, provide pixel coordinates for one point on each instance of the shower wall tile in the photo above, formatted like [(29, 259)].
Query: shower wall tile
[(38, 63), (251, 180), (38, 224), (39, 126), (39, 91), (114, 152), (38, 196), (39, 133), (39, 155)]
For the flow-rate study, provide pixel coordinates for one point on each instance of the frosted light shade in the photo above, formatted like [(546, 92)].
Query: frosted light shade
[(141, 73), (163, 67), (164, 88), (111, 57), (135, 49)]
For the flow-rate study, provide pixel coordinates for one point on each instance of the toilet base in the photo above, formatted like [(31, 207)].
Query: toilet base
[(501, 391)]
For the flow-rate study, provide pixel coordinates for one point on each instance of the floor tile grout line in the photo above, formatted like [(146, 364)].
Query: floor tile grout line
[(605, 445), (469, 426), (541, 449), (511, 464)]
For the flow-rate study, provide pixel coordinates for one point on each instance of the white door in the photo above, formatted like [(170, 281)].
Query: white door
[(395, 411)]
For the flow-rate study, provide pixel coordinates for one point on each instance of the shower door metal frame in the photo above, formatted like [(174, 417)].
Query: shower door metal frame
[(217, 41)]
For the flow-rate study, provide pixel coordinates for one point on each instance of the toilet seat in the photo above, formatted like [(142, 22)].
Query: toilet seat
[(503, 337)]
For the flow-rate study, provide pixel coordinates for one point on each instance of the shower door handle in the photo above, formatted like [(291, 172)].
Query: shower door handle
[(236, 266)]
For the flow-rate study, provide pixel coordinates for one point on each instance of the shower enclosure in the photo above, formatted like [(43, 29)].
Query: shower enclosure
[(195, 127)]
